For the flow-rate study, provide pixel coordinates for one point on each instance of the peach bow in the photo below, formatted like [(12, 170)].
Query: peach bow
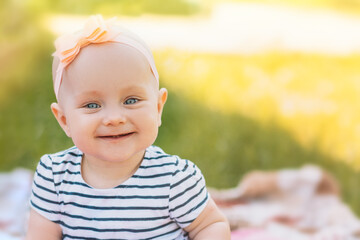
[(96, 30)]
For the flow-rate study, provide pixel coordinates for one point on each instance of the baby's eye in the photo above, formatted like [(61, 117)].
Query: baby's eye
[(92, 105), (131, 101)]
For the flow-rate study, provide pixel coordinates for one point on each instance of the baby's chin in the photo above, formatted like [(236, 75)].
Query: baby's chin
[(116, 159)]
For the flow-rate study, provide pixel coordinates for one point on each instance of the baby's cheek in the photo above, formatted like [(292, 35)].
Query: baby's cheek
[(151, 128)]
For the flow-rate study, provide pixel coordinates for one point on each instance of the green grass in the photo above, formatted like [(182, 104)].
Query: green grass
[(118, 7), (313, 97), (227, 113)]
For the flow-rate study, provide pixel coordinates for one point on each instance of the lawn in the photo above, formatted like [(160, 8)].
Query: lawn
[(232, 114)]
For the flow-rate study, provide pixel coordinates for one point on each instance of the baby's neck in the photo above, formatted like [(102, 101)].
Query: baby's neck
[(104, 175)]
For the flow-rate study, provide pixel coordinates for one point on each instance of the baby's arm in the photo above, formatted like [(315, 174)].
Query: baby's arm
[(210, 224), (41, 228)]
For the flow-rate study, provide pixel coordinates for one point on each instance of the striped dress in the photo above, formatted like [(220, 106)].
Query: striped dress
[(164, 196)]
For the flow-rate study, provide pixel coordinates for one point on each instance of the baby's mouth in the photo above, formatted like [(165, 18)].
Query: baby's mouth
[(110, 137)]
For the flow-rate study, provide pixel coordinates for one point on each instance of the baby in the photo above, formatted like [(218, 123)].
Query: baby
[(113, 184)]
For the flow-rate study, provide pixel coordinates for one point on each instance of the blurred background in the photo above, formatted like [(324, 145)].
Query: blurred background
[(261, 84)]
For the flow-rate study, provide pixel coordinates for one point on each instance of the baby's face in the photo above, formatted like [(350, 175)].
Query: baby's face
[(109, 102)]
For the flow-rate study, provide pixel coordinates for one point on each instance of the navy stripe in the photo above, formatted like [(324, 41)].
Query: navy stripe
[(98, 208), (186, 222), (186, 190), (112, 196), (186, 165), (45, 189), (43, 209), (43, 177), (44, 199), (196, 207), (113, 207), (68, 153), (157, 157), (176, 172), (144, 186), (114, 219), (159, 152), (153, 176), (72, 183), (66, 171), (66, 162), (159, 165), (189, 200), (183, 180), (64, 236), (161, 235), (44, 166), (114, 229)]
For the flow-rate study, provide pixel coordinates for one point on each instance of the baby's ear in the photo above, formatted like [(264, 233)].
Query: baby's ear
[(161, 102), (60, 117)]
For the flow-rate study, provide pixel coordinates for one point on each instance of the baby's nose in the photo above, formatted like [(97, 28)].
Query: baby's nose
[(114, 117)]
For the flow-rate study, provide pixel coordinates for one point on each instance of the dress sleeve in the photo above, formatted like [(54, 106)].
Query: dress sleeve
[(44, 197), (188, 193)]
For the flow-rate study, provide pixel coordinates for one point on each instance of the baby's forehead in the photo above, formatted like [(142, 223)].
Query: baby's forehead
[(110, 52), (113, 51), (106, 58), (104, 62)]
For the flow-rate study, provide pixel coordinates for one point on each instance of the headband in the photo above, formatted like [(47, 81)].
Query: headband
[(96, 30)]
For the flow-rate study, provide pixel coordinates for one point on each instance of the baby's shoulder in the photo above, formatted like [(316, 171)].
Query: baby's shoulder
[(155, 156), (59, 166), (63, 159)]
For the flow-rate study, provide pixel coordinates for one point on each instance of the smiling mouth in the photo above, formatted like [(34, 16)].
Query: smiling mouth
[(112, 137)]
